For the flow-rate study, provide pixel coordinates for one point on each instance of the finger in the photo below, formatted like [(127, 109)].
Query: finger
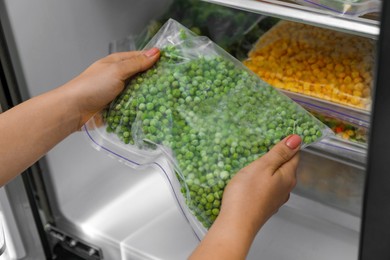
[(282, 152), (120, 56), (291, 166), (138, 63), (287, 198), (288, 171)]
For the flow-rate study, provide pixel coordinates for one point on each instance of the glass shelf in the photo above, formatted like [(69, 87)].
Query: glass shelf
[(294, 12), (347, 151), (352, 115), (344, 151)]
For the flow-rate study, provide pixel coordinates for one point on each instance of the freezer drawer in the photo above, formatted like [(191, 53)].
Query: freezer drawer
[(294, 233), (331, 181), (131, 214), (303, 229), (109, 204)]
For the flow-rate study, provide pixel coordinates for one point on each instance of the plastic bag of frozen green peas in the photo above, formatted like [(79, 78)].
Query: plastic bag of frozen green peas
[(205, 113)]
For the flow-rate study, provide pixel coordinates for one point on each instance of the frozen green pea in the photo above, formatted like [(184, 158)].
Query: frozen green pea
[(307, 139), (215, 212), (210, 198), (224, 175)]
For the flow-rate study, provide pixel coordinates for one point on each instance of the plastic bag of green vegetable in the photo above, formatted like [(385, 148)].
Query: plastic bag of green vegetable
[(206, 113)]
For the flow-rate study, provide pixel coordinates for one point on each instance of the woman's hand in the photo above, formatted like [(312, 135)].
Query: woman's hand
[(100, 83), (257, 191), (31, 129), (252, 196)]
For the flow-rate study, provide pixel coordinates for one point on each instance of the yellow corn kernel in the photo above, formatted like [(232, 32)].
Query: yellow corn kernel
[(312, 79), (355, 100), (345, 136), (357, 80), (317, 88), (289, 72), (350, 86), (321, 74), (366, 75), (366, 92), (311, 60), (339, 68), (347, 80), (357, 93), (289, 85), (320, 62), (341, 75), (346, 62), (359, 86), (355, 74), (327, 60)]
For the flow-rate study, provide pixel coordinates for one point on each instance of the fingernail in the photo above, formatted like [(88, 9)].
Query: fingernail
[(293, 141), (151, 52)]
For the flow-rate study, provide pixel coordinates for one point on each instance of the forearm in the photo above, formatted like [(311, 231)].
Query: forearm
[(226, 239), (31, 129)]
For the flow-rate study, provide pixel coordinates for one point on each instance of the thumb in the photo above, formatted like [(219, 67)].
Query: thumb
[(282, 152), (138, 63)]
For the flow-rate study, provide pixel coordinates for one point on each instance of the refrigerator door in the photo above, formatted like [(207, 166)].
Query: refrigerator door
[(375, 235), (9, 231), (19, 236)]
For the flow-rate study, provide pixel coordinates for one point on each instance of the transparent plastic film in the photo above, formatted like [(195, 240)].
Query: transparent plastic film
[(343, 129), (316, 62), (232, 29), (207, 113), (345, 7)]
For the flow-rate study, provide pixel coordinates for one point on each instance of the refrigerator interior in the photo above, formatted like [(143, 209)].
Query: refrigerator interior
[(130, 213)]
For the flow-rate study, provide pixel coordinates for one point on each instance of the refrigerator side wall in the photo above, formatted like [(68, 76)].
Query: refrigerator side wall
[(375, 235), (21, 232)]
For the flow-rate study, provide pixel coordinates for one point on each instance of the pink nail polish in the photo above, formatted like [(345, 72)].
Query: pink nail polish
[(293, 141), (151, 52)]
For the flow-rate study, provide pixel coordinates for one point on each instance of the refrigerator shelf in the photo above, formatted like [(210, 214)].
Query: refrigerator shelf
[(331, 181), (344, 151), (309, 15), (354, 153), (358, 117)]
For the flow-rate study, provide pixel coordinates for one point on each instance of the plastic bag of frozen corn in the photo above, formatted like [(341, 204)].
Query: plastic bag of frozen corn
[(317, 62), (198, 115)]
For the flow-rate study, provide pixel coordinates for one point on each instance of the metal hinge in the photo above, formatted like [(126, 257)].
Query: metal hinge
[(75, 245)]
